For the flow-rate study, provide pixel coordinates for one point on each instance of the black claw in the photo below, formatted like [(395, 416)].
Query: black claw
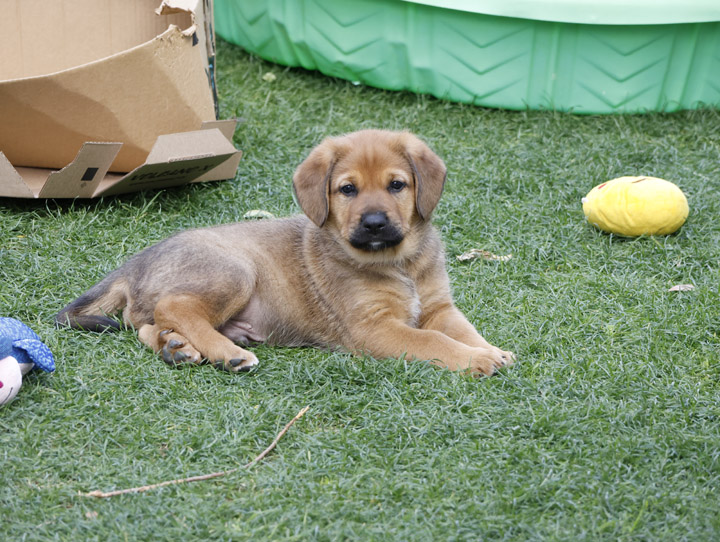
[(180, 356), (168, 358), (174, 344), (236, 361)]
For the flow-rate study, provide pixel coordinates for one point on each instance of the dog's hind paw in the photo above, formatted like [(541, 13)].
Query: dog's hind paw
[(177, 351), (174, 349), (241, 361)]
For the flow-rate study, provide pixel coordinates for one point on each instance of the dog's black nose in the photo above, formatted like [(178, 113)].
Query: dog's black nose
[(374, 222)]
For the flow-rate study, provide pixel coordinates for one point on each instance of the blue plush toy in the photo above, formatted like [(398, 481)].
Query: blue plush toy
[(21, 350)]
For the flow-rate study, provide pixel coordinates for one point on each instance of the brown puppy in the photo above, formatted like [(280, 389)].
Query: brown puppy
[(363, 271)]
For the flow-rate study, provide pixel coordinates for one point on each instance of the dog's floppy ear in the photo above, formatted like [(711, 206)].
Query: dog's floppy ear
[(311, 182), (430, 173)]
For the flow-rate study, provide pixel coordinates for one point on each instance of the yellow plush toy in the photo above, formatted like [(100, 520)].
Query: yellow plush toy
[(633, 206)]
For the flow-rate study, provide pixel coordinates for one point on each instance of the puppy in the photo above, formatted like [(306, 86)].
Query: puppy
[(362, 271)]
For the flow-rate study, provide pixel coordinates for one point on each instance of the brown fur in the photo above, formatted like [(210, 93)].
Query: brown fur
[(363, 271)]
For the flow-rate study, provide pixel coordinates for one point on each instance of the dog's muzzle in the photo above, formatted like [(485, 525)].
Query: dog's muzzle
[(375, 232)]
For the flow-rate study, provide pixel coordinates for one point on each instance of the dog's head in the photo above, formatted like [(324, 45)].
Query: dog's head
[(373, 187)]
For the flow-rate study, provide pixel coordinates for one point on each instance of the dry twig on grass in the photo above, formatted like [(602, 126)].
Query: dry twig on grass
[(258, 458)]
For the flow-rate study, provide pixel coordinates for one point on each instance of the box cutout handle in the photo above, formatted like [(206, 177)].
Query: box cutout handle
[(89, 174)]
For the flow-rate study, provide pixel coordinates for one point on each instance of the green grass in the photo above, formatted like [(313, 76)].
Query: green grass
[(608, 428)]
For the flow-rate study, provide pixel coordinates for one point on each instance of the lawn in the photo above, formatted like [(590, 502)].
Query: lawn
[(607, 428)]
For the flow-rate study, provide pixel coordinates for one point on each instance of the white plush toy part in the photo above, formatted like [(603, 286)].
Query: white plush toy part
[(21, 350), (10, 374)]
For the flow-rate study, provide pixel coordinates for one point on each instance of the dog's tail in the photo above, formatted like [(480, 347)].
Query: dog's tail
[(92, 310)]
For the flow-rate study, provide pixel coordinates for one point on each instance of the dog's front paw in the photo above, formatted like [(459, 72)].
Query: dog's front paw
[(506, 357), (487, 361)]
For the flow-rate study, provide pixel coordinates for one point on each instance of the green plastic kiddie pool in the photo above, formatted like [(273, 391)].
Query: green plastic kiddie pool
[(585, 56)]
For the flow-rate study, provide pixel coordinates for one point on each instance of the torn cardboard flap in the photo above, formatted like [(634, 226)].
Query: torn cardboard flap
[(81, 177), (171, 163), (176, 159), (12, 184), (179, 6), (80, 77)]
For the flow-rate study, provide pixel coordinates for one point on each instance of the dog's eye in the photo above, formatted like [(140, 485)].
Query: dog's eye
[(396, 186), (348, 189)]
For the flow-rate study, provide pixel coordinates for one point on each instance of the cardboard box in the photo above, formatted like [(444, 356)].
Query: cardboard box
[(90, 89)]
